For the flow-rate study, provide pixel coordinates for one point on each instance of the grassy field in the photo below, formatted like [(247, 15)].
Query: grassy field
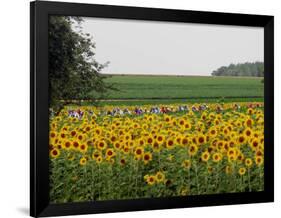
[(184, 87)]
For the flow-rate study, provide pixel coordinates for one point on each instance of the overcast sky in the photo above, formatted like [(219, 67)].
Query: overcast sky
[(146, 47)]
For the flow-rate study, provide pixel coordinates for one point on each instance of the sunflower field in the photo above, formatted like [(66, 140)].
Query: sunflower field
[(103, 157)]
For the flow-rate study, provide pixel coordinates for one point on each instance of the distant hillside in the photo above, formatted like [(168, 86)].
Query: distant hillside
[(255, 69)]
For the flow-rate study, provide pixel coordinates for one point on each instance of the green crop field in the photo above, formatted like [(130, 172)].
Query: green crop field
[(137, 87)]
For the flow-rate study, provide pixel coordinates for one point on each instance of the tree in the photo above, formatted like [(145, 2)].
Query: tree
[(255, 69), (74, 74)]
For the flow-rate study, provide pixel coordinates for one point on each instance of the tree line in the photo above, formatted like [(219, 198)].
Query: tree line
[(255, 69)]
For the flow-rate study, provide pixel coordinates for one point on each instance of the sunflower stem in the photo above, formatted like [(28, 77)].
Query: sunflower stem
[(206, 180), (93, 182), (241, 184), (197, 179), (136, 170), (100, 181), (249, 180), (260, 181)]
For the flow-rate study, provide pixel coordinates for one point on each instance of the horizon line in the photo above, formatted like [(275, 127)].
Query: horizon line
[(179, 75)]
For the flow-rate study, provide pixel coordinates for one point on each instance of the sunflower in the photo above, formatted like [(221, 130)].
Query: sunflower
[(250, 111), (259, 153), (242, 171), (87, 128), (147, 157), (150, 140), (254, 144), (141, 142), (170, 143), (131, 143), (120, 132), (186, 164), (97, 131), (66, 145), (70, 157), (205, 156), (225, 147), (96, 154), (231, 158), (204, 116), (241, 157), (238, 123), (83, 161), (212, 132), (259, 160), (113, 138), (160, 139), (248, 162), (187, 125), (178, 139), (145, 126), (160, 177), (241, 139), (110, 160), (58, 119), (220, 145), (184, 141), (55, 153), (122, 161), (149, 118), (184, 191), (248, 122), (151, 180), (225, 131), (99, 159), (127, 136), (192, 150), (232, 154), (52, 134), (139, 152), (231, 143), (63, 135), (117, 145), (126, 149), (248, 133), (217, 157), (201, 139), (136, 125), (81, 137), (109, 153), (73, 133), (156, 147), (181, 123), (83, 148), (102, 144), (167, 118), (217, 121)]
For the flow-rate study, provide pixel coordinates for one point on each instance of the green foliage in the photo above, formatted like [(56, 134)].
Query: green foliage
[(255, 69), (73, 71)]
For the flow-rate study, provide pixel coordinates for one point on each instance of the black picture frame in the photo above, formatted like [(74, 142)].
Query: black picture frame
[(39, 119)]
